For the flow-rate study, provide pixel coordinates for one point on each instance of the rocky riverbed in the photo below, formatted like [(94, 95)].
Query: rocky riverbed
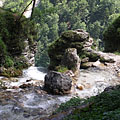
[(25, 98)]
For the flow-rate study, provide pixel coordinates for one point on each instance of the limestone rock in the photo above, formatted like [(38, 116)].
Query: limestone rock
[(29, 52), (71, 60), (57, 83)]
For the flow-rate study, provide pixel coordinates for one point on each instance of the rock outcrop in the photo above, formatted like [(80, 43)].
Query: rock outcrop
[(57, 83), (29, 52), (80, 40), (72, 61)]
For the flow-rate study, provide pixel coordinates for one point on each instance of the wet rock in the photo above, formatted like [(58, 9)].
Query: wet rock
[(110, 88), (84, 60), (15, 87), (23, 86), (13, 79), (29, 80), (57, 83)]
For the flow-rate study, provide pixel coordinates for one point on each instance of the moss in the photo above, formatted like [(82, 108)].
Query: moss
[(104, 106), (8, 62), (13, 34), (61, 69), (11, 72), (117, 53)]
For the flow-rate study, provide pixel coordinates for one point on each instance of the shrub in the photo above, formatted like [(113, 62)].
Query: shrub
[(112, 37), (8, 62), (3, 51)]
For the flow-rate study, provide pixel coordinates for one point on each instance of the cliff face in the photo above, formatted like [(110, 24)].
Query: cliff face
[(17, 45)]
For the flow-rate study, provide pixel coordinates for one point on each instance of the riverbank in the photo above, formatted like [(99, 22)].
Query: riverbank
[(26, 99)]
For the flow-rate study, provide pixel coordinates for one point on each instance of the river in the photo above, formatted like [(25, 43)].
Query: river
[(33, 103)]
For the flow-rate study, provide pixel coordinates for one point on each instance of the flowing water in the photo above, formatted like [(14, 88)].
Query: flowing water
[(33, 103)]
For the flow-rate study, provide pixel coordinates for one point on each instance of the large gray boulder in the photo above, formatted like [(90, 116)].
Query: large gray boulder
[(57, 83), (71, 60)]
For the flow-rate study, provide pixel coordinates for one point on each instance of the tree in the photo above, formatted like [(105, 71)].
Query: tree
[(112, 37)]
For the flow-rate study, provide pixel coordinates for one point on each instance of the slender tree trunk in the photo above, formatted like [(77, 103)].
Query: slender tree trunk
[(34, 1)]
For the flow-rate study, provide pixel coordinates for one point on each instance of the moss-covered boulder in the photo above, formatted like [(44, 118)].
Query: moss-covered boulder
[(78, 39)]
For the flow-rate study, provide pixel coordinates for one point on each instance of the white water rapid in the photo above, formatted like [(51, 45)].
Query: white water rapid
[(32, 74)]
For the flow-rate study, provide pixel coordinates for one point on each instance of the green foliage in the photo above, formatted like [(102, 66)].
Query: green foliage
[(55, 16), (3, 51), (73, 102), (15, 5), (13, 34), (8, 62), (117, 53), (112, 36), (105, 106)]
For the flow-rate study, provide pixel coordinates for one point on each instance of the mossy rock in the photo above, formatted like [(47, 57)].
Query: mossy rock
[(68, 39), (11, 72)]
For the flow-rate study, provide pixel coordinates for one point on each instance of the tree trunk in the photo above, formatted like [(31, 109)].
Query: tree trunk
[(34, 1), (25, 10)]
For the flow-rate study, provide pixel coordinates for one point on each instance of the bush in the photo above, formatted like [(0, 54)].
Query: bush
[(3, 51), (8, 62), (112, 37)]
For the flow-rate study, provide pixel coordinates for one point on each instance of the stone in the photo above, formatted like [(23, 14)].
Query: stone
[(79, 87), (77, 39), (71, 60), (119, 74), (57, 83), (23, 86), (61, 50), (84, 60), (86, 65)]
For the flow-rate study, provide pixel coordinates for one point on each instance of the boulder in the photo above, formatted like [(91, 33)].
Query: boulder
[(57, 83), (61, 50), (71, 60), (78, 39)]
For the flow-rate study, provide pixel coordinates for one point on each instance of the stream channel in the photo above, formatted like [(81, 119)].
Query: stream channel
[(33, 103)]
